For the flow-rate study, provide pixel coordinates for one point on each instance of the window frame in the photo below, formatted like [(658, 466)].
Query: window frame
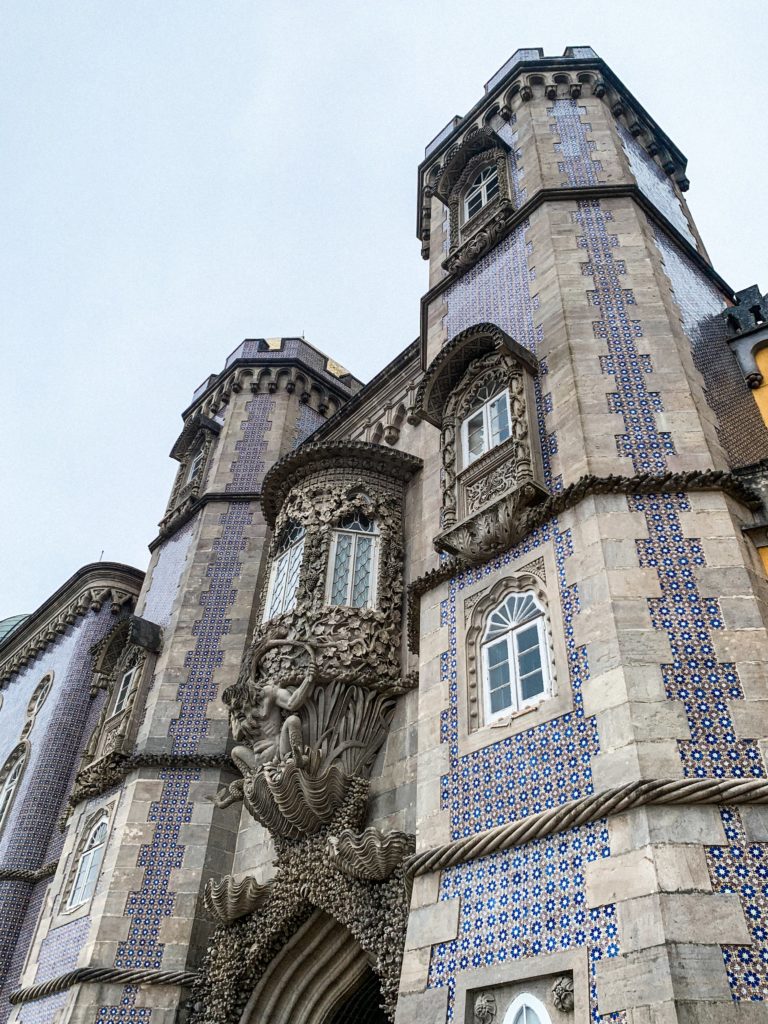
[(527, 1001), (373, 584), (122, 694), (282, 557), (508, 636), (488, 444), (194, 466), (479, 187), (86, 850), (18, 762)]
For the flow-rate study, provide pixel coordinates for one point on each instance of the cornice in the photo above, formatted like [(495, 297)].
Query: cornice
[(622, 104), (575, 194), (315, 456), (87, 590), (375, 385)]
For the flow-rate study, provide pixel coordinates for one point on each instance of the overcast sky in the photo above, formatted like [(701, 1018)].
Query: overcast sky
[(177, 175)]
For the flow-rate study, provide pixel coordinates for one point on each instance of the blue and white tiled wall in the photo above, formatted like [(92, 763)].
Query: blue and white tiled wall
[(531, 900), (30, 837)]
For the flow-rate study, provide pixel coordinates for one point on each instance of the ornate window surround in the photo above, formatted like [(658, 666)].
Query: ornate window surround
[(15, 764), (192, 450), (471, 618), (63, 912), (39, 697), (471, 237), (484, 503)]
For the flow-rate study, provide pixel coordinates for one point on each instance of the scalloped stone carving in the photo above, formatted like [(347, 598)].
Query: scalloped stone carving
[(229, 900), (371, 855), (292, 800)]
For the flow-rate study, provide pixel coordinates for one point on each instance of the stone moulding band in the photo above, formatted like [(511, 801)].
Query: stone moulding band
[(569, 497), (112, 769), (660, 792), (128, 976), (27, 874)]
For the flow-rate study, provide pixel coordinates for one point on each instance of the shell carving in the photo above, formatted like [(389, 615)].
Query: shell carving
[(371, 855), (291, 801), (229, 900)]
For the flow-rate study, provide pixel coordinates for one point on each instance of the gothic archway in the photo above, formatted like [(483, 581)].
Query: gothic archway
[(320, 976)]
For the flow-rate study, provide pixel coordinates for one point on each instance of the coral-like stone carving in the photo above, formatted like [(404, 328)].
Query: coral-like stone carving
[(229, 900), (371, 855), (562, 993)]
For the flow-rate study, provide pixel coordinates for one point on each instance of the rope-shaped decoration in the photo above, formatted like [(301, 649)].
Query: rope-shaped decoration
[(27, 875), (128, 976), (585, 810)]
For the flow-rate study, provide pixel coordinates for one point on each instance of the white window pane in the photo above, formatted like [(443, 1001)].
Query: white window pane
[(126, 682), (499, 420), (499, 677), (341, 568), (530, 673), (475, 436), (293, 572), (361, 580), (279, 573)]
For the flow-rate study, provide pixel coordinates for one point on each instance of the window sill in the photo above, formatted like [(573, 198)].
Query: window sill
[(493, 528)]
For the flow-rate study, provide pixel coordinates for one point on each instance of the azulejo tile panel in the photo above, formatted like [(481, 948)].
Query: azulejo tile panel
[(166, 576), (741, 428), (741, 867), (249, 465)]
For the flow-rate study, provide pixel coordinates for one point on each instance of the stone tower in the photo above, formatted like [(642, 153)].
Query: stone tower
[(457, 709)]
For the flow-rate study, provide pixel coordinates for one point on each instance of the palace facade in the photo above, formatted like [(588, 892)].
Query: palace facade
[(443, 697)]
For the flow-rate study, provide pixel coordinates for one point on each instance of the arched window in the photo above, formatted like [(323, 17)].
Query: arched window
[(487, 425), (10, 777), (284, 578), (89, 863), (514, 653), (195, 464), (352, 567), (124, 689), (527, 1009), (481, 191)]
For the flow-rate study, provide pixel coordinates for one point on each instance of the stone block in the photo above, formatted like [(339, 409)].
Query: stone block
[(430, 1007), (430, 925), (648, 921)]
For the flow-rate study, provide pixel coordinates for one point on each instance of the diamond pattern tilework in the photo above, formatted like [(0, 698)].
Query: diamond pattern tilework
[(248, 466), (742, 431), (741, 867), (154, 900), (694, 677)]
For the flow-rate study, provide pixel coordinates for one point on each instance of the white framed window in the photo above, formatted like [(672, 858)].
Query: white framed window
[(353, 563), (481, 191), (89, 864), (284, 577), (527, 1009), (514, 656), (487, 425), (194, 465), (11, 777), (124, 689)]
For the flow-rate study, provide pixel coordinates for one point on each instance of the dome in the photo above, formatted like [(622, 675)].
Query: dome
[(8, 625)]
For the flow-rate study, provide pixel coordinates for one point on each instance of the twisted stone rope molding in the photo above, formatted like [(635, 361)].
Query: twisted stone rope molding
[(128, 976), (586, 486), (28, 875), (586, 810)]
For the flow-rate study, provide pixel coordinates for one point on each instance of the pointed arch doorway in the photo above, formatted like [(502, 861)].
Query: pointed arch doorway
[(320, 976)]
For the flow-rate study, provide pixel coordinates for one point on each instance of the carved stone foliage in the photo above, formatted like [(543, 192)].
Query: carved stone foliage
[(193, 450), (229, 900), (317, 686), (309, 878)]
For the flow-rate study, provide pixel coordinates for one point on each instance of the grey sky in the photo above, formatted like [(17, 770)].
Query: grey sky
[(177, 175)]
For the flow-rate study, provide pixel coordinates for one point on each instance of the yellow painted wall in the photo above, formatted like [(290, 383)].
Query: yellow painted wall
[(761, 393)]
